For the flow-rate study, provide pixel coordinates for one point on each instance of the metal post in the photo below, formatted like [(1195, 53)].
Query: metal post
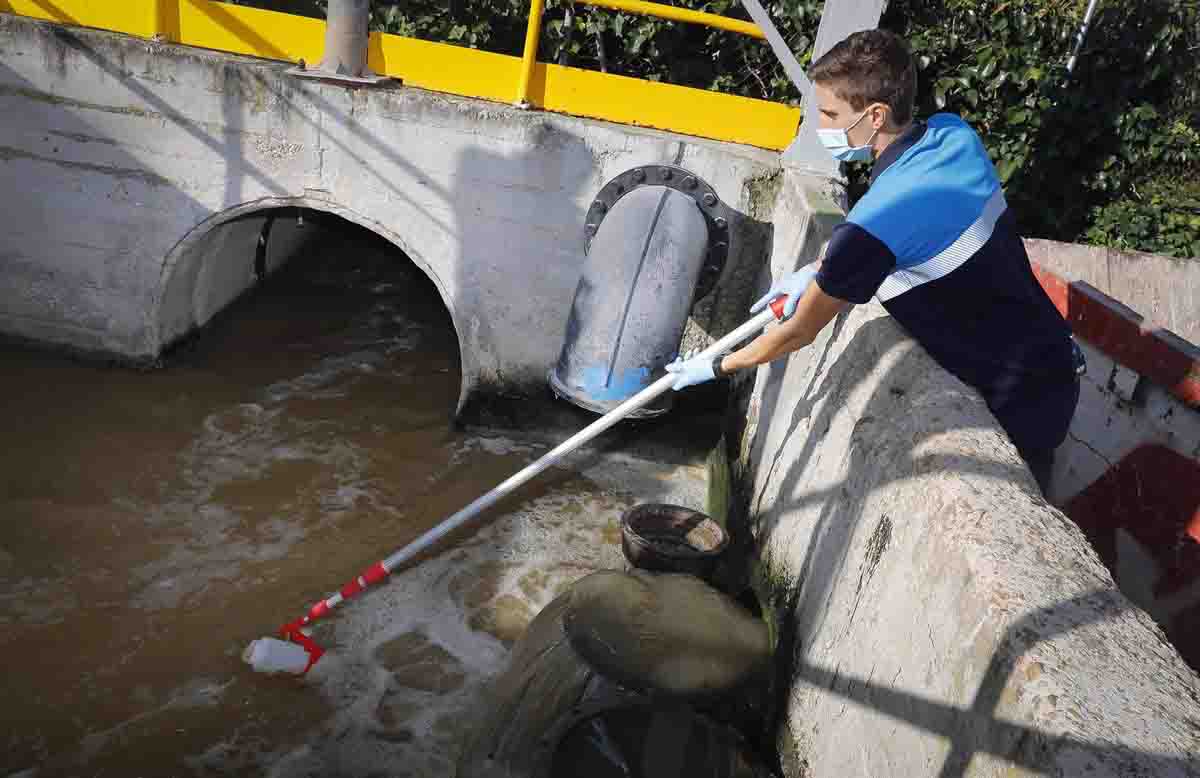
[(778, 46), (1083, 31), (346, 36), (166, 20), (533, 34), (839, 19)]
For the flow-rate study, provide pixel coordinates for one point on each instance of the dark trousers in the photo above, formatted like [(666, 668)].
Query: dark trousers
[(1041, 459), (1041, 464)]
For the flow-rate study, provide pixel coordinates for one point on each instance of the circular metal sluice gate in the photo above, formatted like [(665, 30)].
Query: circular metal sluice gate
[(657, 241)]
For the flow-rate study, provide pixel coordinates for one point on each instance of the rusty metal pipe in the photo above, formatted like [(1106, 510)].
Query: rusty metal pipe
[(675, 14)]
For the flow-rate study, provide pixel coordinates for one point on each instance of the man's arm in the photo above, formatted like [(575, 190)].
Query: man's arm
[(854, 266), (813, 312)]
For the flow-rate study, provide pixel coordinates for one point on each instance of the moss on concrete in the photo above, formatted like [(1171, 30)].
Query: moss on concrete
[(719, 485)]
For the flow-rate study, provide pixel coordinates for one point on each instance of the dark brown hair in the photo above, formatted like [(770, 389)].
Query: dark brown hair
[(871, 66)]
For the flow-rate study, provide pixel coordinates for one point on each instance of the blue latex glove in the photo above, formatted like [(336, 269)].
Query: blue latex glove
[(689, 370), (793, 285)]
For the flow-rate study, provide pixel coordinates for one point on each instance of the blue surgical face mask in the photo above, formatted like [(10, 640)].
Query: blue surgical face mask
[(837, 143)]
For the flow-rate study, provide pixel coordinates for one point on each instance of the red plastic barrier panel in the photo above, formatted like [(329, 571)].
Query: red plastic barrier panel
[(1143, 518), (1159, 355)]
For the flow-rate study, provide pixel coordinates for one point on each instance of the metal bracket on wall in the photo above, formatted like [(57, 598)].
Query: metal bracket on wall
[(302, 70), (716, 214)]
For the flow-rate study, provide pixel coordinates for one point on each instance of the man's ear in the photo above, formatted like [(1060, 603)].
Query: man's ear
[(881, 115)]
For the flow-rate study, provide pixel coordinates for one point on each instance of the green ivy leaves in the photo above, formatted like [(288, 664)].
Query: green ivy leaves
[(1080, 155)]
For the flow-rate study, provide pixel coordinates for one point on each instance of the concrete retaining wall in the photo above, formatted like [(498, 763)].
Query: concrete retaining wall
[(1166, 291), (934, 615), (123, 159)]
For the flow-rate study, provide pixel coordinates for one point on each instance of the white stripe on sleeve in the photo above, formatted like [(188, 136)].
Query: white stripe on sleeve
[(950, 258)]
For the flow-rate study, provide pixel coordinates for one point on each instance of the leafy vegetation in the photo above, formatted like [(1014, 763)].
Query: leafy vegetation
[(1109, 154)]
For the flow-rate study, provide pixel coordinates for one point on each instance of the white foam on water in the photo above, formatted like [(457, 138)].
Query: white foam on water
[(316, 382), (496, 445), (242, 444), (37, 601), (521, 559), (451, 617)]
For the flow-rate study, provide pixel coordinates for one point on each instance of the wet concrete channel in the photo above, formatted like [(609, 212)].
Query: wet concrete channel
[(155, 521)]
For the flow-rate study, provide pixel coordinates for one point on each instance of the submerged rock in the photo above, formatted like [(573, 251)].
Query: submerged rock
[(668, 633), (605, 672)]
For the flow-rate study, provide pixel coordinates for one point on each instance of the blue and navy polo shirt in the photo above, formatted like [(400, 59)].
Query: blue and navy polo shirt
[(935, 242)]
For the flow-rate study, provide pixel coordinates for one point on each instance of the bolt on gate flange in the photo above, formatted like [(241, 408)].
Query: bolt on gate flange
[(716, 214)]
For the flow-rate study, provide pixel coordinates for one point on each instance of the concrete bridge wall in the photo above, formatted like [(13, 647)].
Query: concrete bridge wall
[(131, 163), (933, 614)]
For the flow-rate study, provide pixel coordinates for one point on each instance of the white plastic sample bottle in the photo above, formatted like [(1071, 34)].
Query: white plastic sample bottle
[(269, 655)]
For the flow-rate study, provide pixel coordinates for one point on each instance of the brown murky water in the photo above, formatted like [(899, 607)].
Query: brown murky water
[(153, 523)]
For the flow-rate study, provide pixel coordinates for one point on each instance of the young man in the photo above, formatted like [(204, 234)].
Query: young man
[(934, 241)]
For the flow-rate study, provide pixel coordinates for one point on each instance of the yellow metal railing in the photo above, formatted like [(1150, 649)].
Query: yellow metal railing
[(439, 67), (533, 34), (658, 10), (680, 15)]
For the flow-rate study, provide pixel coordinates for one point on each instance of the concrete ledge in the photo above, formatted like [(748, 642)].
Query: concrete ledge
[(1164, 289), (933, 615)]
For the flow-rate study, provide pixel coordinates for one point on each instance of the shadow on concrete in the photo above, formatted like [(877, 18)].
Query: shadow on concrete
[(977, 730), (168, 112), (1142, 516), (799, 612), (233, 102), (493, 185), (346, 121), (236, 80), (232, 105), (61, 238)]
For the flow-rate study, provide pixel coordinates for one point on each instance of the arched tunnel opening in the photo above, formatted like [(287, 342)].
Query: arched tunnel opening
[(318, 284)]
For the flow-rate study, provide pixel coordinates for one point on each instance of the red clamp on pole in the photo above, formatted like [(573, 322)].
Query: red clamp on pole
[(292, 632), (777, 306)]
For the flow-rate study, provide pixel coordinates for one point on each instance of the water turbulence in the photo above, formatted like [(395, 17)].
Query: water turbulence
[(156, 521)]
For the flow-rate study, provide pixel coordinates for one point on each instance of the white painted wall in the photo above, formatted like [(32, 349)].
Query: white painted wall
[(127, 155)]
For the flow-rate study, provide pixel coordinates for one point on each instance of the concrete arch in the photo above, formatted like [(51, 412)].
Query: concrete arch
[(195, 284)]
